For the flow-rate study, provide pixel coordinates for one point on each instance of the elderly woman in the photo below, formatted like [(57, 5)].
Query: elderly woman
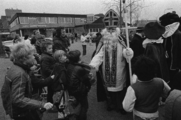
[(16, 92)]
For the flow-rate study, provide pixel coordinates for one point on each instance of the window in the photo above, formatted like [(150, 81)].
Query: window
[(61, 20), (33, 20), (66, 30), (53, 20), (47, 20), (70, 30), (13, 24), (24, 20), (90, 19), (41, 20), (16, 21), (97, 30), (83, 20), (68, 20)]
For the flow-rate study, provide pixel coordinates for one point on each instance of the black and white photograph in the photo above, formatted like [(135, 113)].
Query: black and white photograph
[(90, 59)]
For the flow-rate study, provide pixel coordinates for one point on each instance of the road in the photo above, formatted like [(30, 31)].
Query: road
[(97, 110)]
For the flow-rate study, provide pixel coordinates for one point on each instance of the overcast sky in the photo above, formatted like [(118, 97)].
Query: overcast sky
[(154, 9)]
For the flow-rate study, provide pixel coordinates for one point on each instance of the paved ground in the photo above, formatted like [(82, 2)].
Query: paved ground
[(4, 63), (97, 111)]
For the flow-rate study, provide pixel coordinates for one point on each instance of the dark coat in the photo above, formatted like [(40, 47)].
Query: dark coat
[(173, 47), (176, 81), (47, 64), (156, 52), (136, 45), (16, 93), (58, 44), (65, 40), (38, 84), (78, 80), (60, 80)]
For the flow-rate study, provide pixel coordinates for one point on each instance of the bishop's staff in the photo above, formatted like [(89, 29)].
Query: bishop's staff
[(127, 39)]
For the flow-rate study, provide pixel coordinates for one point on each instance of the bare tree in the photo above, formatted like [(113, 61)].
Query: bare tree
[(135, 9)]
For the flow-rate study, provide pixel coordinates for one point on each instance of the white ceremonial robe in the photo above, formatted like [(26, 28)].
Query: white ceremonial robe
[(121, 71)]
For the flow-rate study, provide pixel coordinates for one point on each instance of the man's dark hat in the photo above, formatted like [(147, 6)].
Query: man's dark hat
[(169, 18), (153, 30), (139, 29)]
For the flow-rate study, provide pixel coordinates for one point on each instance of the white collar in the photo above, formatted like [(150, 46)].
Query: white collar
[(139, 34), (170, 29), (146, 41)]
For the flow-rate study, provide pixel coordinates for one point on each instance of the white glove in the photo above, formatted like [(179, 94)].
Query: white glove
[(128, 53), (48, 106)]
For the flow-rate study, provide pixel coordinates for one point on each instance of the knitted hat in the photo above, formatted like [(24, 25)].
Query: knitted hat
[(153, 30), (169, 18)]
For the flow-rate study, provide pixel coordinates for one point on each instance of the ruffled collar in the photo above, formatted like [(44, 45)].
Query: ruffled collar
[(147, 41), (170, 29)]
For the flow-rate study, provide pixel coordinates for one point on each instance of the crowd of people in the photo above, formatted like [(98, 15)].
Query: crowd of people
[(160, 42), (153, 53), (39, 63)]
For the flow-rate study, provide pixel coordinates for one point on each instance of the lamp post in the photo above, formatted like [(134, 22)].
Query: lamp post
[(120, 16), (130, 12)]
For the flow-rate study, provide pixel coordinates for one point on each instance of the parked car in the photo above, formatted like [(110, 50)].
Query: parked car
[(7, 47), (7, 42)]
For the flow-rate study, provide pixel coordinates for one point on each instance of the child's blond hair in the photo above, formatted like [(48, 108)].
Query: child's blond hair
[(57, 54)]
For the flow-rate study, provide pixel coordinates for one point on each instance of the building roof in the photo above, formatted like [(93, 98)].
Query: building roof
[(5, 17), (99, 20), (45, 15), (100, 15), (96, 24)]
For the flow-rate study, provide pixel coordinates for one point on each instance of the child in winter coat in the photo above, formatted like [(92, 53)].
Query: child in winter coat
[(79, 79), (47, 63), (143, 96)]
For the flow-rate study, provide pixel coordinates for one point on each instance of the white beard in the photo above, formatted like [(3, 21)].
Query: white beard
[(110, 38), (105, 33)]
